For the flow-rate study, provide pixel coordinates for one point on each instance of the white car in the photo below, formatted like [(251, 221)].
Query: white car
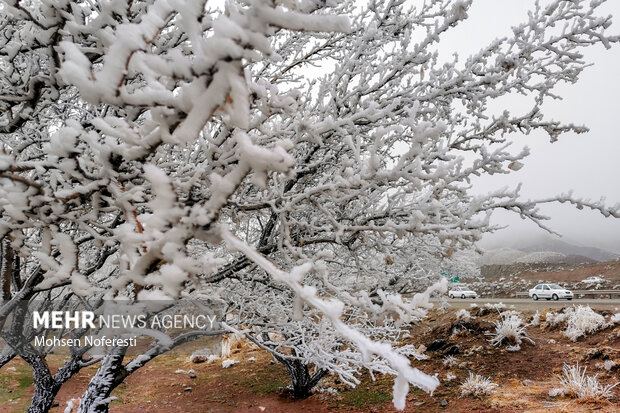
[(462, 292), (549, 291)]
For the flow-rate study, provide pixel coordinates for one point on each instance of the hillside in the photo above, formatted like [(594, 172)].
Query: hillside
[(505, 280), (544, 249)]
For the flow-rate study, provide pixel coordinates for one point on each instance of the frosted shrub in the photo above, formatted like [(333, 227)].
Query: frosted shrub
[(477, 385), (498, 306), (554, 319), (609, 364), (575, 383), (449, 361), (510, 329), (463, 315), (509, 313), (580, 320)]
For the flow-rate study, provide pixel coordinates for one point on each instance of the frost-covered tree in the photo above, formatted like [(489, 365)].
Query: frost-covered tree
[(390, 139), (159, 149), (93, 93)]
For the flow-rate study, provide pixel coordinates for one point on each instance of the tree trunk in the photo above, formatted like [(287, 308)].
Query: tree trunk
[(303, 382), (45, 390), (7, 355), (110, 374), (45, 387)]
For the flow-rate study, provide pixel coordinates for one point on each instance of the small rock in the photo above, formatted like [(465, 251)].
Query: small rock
[(200, 356), (443, 403), (527, 382), (187, 389), (437, 345)]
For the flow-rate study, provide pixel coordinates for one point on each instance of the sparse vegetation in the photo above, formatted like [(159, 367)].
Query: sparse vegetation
[(463, 315), (449, 361), (477, 385), (510, 329), (575, 383), (579, 321)]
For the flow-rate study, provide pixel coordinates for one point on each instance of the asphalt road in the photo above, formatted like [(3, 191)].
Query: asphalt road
[(529, 304)]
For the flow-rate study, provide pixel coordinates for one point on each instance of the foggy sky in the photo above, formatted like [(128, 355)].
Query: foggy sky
[(588, 163)]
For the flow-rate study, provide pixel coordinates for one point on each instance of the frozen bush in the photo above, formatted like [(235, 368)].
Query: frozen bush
[(477, 385), (580, 320), (554, 319), (575, 383), (449, 361), (498, 306), (463, 315), (510, 329), (509, 313)]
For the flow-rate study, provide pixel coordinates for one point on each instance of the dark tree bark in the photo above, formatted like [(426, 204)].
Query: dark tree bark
[(302, 381), (46, 385), (6, 355), (110, 374)]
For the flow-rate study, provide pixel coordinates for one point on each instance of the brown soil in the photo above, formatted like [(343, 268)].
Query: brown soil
[(525, 378)]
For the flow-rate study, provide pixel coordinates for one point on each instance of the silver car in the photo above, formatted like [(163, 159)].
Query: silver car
[(549, 291), (462, 292)]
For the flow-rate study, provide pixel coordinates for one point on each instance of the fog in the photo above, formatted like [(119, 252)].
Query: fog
[(587, 164)]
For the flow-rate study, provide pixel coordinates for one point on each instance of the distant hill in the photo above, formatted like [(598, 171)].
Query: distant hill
[(545, 249), (507, 256), (557, 245)]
